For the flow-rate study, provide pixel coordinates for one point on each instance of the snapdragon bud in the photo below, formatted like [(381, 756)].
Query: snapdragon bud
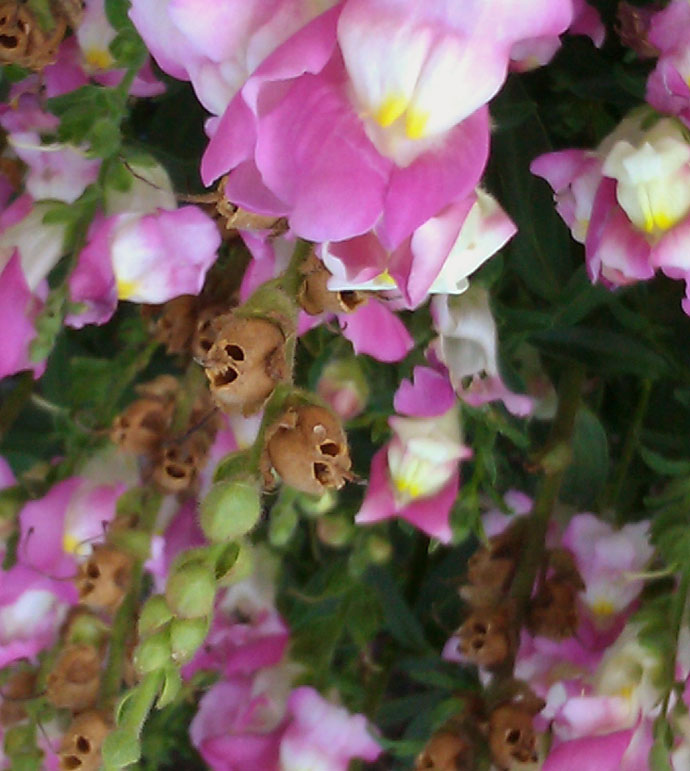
[(334, 530), (230, 510), (153, 653), (154, 615), (191, 590), (186, 637)]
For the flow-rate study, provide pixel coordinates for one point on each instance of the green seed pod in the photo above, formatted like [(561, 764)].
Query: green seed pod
[(243, 567), (282, 525), (379, 549), (334, 530), (186, 637), (230, 510), (154, 615), (191, 590), (153, 653)]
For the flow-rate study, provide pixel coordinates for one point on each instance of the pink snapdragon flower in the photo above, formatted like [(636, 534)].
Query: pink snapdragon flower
[(297, 145), (415, 476), (667, 87), (324, 736), (146, 250), (216, 46), (618, 751), (628, 202), (436, 259), (467, 347)]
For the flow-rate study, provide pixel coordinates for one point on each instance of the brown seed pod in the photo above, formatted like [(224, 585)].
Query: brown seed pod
[(233, 218), (445, 751), (553, 610), (511, 735), (174, 322), (245, 363), (142, 426), (308, 449), (104, 579), (74, 681), (178, 464), (72, 10), (14, 692), (16, 27), (487, 637), (314, 295), (80, 749)]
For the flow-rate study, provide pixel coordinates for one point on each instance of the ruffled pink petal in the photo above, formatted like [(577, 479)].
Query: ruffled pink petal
[(375, 330), (595, 753), (431, 515), (429, 394), (378, 503), (168, 46)]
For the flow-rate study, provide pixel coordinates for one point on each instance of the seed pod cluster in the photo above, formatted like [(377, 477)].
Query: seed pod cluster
[(307, 447), (512, 739), (80, 748)]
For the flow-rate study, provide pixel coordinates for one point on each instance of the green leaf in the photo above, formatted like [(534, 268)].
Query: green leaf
[(586, 476), (121, 748), (663, 465)]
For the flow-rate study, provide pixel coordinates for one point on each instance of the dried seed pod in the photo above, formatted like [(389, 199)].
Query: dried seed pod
[(445, 751), (14, 692), (511, 735), (74, 681), (72, 10), (16, 28), (553, 610), (314, 295), (80, 749), (174, 322), (487, 636), (177, 466), (142, 426), (104, 579), (163, 387), (245, 363), (233, 218), (308, 449)]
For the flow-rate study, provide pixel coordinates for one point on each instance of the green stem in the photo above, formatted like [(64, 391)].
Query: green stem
[(13, 404), (679, 606), (630, 445)]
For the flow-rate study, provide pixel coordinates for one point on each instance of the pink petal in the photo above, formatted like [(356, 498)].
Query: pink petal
[(375, 330), (429, 395), (431, 515), (378, 503)]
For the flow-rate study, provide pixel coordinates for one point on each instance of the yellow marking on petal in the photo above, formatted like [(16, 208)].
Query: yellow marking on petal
[(386, 278), (415, 124), (603, 608), (626, 692), (98, 58), (125, 289), (408, 487), (391, 109), (70, 544)]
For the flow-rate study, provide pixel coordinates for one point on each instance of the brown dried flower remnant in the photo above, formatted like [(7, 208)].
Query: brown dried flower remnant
[(104, 579), (22, 39), (488, 636), (173, 324), (80, 749), (308, 448), (245, 362), (512, 739), (19, 687), (314, 295), (445, 751), (74, 681)]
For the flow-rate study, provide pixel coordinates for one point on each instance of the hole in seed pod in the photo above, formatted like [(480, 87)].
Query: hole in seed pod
[(176, 472), (205, 344), (9, 41), (329, 448), (92, 570), (349, 298), (152, 421), (479, 628), (124, 423), (83, 744), (225, 377), (234, 352), (3, 20), (86, 588), (478, 644), (322, 473), (513, 736), (70, 762)]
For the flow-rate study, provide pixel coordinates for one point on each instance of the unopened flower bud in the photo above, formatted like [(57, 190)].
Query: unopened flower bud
[(186, 637), (334, 530), (344, 388), (308, 449), (154, 615), (245, 363), (74, 681), (282, 524), (80, 749), (191, 590), (153, 653), (379, 549), (230, 510), (241, 569)]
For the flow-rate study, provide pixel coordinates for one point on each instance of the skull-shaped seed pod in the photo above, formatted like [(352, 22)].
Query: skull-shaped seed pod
[(174, 322), (104, 579), (16, 27), (163, 387), (142, 426), (445, 751), (80, 749), (245, 363), (74, 681), (314, 295), (553, 610), (19, 687), (208, 323), (487, 636), (512, 739), (307, 446)]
